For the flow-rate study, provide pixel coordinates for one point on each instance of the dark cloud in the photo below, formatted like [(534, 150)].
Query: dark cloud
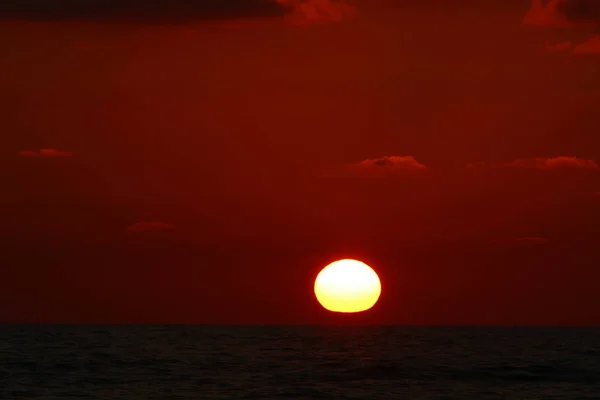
[(139, 10), (45, 153), (580, 10), (563, 13), (146, 226), (316, 11)]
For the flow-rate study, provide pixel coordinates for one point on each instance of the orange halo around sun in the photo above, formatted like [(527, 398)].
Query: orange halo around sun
[(347, 286)]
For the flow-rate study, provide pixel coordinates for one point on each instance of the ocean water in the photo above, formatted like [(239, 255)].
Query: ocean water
[(297, 362)]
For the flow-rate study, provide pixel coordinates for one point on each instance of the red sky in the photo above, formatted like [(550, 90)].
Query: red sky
[(204, 173)]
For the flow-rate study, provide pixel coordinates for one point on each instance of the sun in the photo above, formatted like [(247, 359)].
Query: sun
[(347, 286)]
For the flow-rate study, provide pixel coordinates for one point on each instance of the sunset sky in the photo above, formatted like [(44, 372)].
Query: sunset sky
[(202, 166)]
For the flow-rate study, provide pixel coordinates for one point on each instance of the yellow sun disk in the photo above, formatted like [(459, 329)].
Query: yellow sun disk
[(347, 286)]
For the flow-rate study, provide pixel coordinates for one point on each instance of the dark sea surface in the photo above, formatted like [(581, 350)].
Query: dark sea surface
[(278, 362)]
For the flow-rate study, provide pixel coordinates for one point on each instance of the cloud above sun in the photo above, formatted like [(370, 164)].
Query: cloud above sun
[(45, 153)]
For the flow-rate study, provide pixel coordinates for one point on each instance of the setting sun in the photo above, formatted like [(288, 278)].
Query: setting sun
[(347, 286)]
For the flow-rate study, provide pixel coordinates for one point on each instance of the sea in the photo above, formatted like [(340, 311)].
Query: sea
[(297, 362)]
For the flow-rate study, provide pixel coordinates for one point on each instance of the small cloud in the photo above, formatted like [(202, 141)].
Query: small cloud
[(592, 46), (150, 226), (402, 162), (553, 163), (558, 47), (382, 166), (45, 153), (303, 12), (397, 163)]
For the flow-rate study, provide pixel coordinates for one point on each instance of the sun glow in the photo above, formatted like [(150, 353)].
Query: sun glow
[(347, 286)]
